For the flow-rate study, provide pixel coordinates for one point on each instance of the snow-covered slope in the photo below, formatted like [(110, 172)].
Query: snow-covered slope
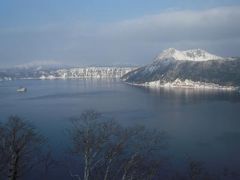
[(89, 72), (191, 68), (64, 73), (187, 84), (189, 55)]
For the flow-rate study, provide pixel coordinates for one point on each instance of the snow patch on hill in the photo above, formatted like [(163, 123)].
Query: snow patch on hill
[(90, 72), (186, 84), (189, 55)]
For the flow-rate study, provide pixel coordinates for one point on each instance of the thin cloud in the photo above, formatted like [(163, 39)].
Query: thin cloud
[(134, 41), (173, 26)]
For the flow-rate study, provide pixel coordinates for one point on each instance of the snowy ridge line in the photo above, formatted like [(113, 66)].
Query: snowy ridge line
[(5, 79), (72, 73), (91, 72), (188, 84), (188, 55), (78, 77)]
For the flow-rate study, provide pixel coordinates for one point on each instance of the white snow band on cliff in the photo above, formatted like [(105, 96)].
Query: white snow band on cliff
[(189, 55), (194, 68)]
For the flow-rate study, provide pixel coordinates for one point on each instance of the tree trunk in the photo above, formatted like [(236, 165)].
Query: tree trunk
[(86, 168), (13, 170), (128, 166), (107, 170)]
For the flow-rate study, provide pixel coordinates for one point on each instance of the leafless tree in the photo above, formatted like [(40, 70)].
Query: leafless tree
[(89, 136), (47, 163), (197, 171), (110, 151), (19, 147), (3, 151), (144, 159)]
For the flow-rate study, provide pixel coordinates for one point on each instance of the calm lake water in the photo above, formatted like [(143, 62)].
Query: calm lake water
[(204, 125)]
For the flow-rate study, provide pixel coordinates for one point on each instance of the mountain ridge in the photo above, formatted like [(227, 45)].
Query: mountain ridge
[(64, 73), (187, 55), (222, 72)]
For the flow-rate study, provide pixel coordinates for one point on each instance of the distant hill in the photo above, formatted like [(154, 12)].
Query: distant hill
[(182, 67), (36, 72)]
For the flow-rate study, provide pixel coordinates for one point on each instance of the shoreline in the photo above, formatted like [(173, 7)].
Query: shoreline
[(186, 84)]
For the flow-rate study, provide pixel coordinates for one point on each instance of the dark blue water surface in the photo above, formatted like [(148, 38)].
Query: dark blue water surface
[(202, 124)]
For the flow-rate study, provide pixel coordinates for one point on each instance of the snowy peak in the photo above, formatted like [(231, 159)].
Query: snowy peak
[(189, 55), (200, 55)]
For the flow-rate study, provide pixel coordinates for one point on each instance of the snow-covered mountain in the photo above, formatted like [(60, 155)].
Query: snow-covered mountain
[(89, 72), (64, 73), (5, 77), (191, 68), (189, 55)]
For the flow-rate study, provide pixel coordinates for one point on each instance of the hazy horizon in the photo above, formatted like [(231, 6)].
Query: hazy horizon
[(80, 33)]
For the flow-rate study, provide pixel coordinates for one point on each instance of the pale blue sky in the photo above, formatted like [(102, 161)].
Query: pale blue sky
[(81, 32)]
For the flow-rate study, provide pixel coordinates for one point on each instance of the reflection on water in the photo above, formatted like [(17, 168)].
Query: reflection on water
[(190, 95), (70, 95), (202, 123)]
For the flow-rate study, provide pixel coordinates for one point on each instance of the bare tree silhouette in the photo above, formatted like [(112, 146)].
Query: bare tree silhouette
[(110, 151), (20, 145)]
